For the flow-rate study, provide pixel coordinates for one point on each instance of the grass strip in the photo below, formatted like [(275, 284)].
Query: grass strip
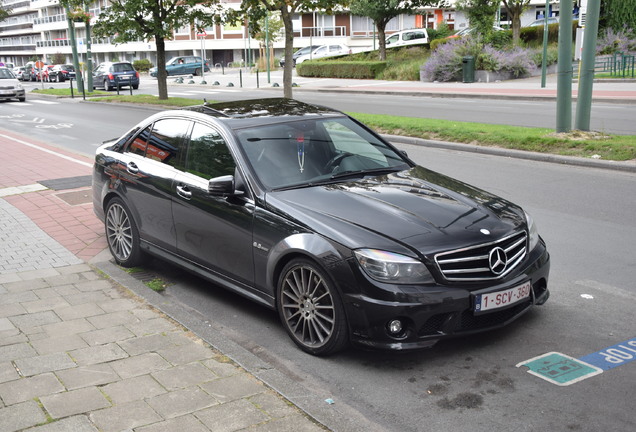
[(542, 140)]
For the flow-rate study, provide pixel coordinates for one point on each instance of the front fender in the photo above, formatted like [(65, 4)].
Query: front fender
[(309, 245)]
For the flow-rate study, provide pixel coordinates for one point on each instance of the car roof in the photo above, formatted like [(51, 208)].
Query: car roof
[(256, 112)]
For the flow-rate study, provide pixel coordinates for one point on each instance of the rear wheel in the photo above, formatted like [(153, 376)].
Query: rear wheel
[(106, 85), (310, 308), (122, 234), (197, 72)]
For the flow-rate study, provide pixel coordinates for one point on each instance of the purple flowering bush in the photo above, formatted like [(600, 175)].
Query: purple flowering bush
[(612, 42), (445, 63)]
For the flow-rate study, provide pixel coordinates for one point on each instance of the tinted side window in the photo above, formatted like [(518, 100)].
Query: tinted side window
[(393, 39), (208, 154), (138, 145), (167, 140)]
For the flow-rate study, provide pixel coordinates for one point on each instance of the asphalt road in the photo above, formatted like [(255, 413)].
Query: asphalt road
[(586, 217), (605, 117)]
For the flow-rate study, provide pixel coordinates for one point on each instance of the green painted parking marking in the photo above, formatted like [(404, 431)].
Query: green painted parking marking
[(560, 369)]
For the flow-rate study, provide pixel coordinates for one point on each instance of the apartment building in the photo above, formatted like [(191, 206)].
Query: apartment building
[(39, 29)]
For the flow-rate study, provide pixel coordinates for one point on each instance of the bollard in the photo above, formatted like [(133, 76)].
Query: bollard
[(71, 82), (241, 77), (257, 83)]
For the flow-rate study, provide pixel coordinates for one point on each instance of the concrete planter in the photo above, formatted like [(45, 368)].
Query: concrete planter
[(483, 76)]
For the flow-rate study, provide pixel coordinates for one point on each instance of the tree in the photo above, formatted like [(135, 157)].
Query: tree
[(254, 10), (131, 20), (481, 14), (4, 12), (515, 8), (618, 14), (383, 11)]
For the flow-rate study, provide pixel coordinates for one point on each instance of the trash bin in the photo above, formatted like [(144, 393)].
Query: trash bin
[(468, 69)]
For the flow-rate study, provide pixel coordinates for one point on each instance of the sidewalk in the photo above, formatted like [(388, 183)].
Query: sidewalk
[(80, 352)]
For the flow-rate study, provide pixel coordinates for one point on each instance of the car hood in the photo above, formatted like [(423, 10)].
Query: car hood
[(419, 209)]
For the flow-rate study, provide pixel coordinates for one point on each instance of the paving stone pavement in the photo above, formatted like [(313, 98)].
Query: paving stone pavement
[(81, 353), (76, 362)]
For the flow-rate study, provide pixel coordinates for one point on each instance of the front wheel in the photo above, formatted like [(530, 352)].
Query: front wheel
[(122, 234), (310, 308)]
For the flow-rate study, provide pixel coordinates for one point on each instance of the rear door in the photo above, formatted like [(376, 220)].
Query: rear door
[(149, 164)]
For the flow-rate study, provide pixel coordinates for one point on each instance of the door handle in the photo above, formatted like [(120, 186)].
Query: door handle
[(184, 192), (132, 168)]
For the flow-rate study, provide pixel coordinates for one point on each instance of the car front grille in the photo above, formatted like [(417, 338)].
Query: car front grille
[(487, 261)]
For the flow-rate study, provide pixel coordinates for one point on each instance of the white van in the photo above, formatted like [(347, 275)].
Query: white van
[(407, 37)]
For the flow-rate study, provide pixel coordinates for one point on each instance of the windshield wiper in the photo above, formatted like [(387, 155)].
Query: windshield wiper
[(356, 173)]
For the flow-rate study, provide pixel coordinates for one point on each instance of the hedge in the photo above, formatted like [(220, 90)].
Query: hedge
[(341, 69)]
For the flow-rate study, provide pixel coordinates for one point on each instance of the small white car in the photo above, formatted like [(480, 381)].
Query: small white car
[(10, 87), (325, 51), (407, 37)]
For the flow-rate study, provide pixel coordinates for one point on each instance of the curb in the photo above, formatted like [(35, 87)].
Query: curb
[(518, 154)]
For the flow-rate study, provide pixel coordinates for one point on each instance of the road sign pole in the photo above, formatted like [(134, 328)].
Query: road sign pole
[(564, 75)]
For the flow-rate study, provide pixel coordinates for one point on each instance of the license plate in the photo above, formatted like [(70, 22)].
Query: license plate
[(7, 92), (500, 299), (125, 77)]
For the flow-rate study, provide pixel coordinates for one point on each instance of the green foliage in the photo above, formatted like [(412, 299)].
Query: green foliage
[(533, 36), (383, 11), (618, 14), (481, 14), (58, 58), (142, 65), (341, 69), (402, 64), (500, 39), (4, 12), (442, 31), (437, 42)]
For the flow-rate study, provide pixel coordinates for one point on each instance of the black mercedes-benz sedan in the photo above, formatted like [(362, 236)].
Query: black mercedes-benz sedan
[(307, 211)]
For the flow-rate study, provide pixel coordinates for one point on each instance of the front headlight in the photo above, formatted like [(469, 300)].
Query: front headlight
[(19, 86), (533, 234), (390, 267)]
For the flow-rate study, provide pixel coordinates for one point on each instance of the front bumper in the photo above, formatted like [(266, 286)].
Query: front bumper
[(12, 94), (433, 313)]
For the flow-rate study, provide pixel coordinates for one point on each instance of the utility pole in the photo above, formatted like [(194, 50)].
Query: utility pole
[(564, 69), (71, 31), (544, 59), (588, 56), (89, 54)]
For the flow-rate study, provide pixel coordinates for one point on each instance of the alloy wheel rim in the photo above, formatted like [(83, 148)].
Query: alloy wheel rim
[(119, 232), (308, 307)]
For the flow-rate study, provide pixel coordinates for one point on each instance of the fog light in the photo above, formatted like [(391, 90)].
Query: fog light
[(395, 327)]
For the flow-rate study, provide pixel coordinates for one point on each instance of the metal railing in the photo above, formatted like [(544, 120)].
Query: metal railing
[(620, 65)]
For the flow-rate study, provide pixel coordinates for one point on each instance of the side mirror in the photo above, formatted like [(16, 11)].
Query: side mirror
[(222, 186)]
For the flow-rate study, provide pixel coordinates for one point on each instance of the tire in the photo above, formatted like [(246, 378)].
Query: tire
[(135, 87), (122, 234), (106, 85), (22, 99), (310, 308), (197, 72)]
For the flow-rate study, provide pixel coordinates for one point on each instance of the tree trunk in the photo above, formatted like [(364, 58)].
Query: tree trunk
[(516, 28), (161, 68), (288, 70), (382, 39)]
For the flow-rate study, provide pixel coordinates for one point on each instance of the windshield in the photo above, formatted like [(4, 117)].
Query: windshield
[(308, 152), (6, 74)]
